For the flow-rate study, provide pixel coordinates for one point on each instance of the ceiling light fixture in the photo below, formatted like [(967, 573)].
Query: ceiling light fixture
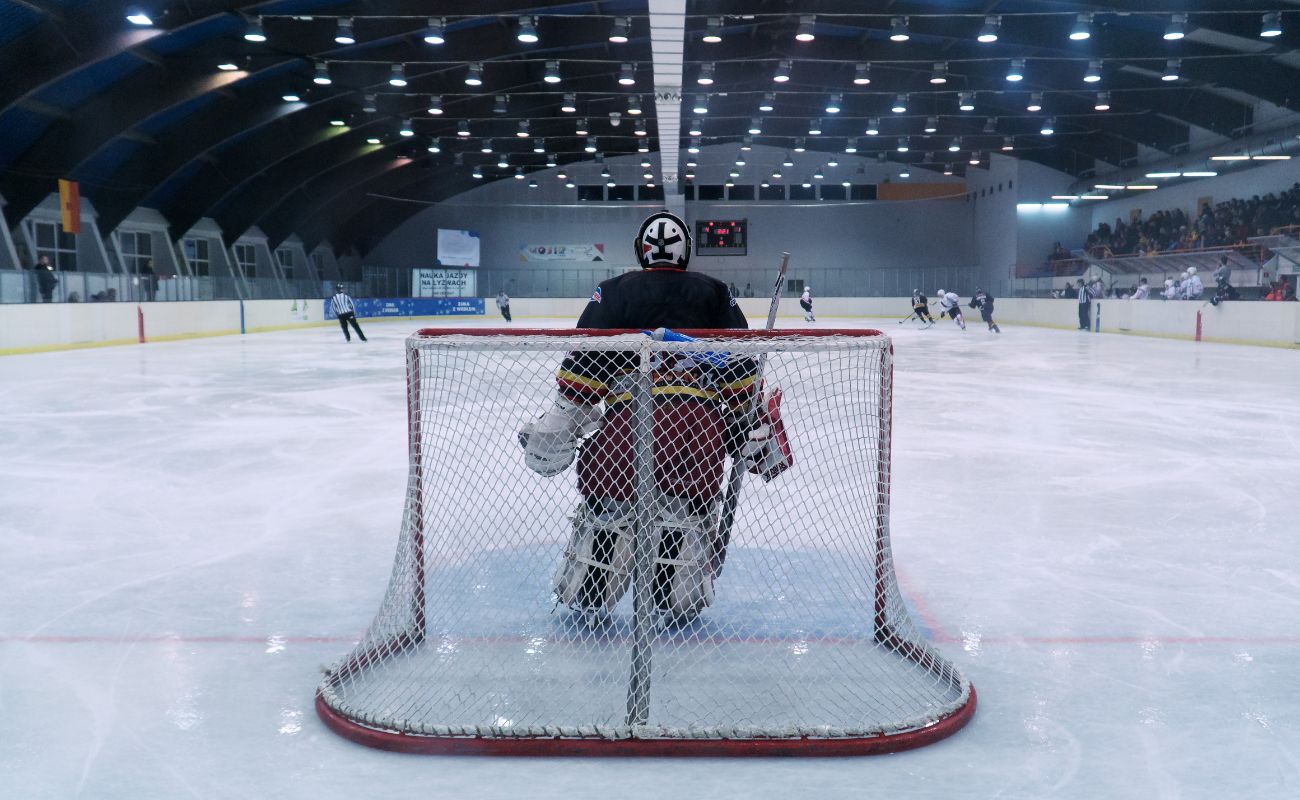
[(462, 128), (625, 75), (706, 75), (433, 32), (475, 75), (1093, 73), (1172, 67), (701, 104), (522, 132), (1177, 27), (569, 104), (835, 104), (322, 77), (931, 124), (527, 30), (634, 105), (1008, 144), (1035, 102), (406, 129), (966, 101), (900, 104), (1049, 127), (1272, 25), (138, 16), (254, 32), (782, 73), (1103, 102), (552, 74), (397, 77), (712, 31), (862, 75), (1082, 28), (939, 75), (954, 145), (873, 126), (898, 30), (768, 102), (904, 144), (755, 127), (989, 33), (618, 33), (344, 34), (1017, 71), (435, 104), (851, 146), (815, 127), (696, 128), (805, 31)]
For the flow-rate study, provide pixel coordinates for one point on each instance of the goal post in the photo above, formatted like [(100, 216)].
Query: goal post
[(598, 611)]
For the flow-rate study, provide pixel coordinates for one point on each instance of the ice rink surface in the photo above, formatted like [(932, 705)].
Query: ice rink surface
[(1100, 530)]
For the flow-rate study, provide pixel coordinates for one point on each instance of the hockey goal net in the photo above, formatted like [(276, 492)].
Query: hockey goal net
[(545, 615)]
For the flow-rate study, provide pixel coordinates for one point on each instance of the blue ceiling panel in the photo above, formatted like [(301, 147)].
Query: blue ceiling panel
[(15, 20), (163, 195), (99, 168), (78, 86), (167, 118), (19, 130), (190, 35)]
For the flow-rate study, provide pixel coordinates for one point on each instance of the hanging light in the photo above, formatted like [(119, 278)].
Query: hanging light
[(701, 104), (322, 77), (975, 158), (1272, 25), (873, 126), (900, 104), (768, 102), (835, 103), (712, 31), (338, 123), (583, 128), (931, 124), (290, 97), (782, 71), (989, 33), (486, 147), (1082, 28), (905, 172), (898, 30), (640, 129), (755, 127), (904, 144), (634, 105), (503, 161), (519, 173), (433, 32), (397, 77), (815, 127), (851, 146), (1177, 27), (254, 32), (642, 146), (500, 104), (1008, 144), (552, 74), (817, 176), (947, 169), (954, 145), (746, 144), (373, 140), (862, 75), (991, 125), (590, 146), (618, 33), (522, 131), (1035, 102), (569, 184), (625, 76), (227, 66), (776, 174), (696, 129), (550, 160), (478, 173), (570, 103), (407, 129), (462, 128), (527, 30), (788, 161), (966, 101), (475, 75), (799, 145), (735, 173), (434, 147), (344, 34), (1094, 72), (1017, 71), (706, 75), (138, 16), (435, 104), (805, 31), (694, 147), (1171, 69), (1049, 127), (940, 73)]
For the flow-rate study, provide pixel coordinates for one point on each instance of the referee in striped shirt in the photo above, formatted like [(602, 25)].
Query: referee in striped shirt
[(346, 311)]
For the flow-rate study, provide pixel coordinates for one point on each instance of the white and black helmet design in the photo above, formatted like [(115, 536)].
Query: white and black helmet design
[(663, 241)]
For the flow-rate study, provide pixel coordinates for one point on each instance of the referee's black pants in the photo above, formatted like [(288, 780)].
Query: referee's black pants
[(1085, 316), (344, 319)]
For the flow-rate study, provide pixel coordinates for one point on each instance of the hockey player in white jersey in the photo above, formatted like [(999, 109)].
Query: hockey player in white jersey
[(805, 302), (1194, 290), (950, 304), (1171, 290)]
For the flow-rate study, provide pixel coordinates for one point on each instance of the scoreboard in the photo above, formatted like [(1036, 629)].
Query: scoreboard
[(720, 237)]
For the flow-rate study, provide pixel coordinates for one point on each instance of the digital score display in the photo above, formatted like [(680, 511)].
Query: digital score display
[(721, 237)]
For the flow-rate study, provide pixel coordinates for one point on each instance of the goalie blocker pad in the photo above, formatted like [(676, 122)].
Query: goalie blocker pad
[(768, 443)]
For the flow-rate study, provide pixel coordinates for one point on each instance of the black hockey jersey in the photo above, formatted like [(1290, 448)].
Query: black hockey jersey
[(658, 298), (983, 301)]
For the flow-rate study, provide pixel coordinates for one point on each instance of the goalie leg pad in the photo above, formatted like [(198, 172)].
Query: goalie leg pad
[(683, 577), (597, 565), (767, 451)]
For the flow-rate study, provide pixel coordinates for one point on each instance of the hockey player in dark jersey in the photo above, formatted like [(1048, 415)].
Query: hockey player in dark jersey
[(703, 411), (984, 302), (921, 307)]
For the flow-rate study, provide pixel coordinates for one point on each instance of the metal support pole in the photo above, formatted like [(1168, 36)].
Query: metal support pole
[(643, 605)]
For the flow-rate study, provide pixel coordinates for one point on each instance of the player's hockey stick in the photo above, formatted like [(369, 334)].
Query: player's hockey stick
[(736, 477)]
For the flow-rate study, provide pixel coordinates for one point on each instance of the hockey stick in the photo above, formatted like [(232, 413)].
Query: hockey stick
[(736, 478)]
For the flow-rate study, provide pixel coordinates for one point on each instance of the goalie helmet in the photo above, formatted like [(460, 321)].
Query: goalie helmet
[(663, 241)]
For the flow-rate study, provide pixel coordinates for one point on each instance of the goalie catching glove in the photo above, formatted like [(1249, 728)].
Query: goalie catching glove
[(766, 451), (551, 440)]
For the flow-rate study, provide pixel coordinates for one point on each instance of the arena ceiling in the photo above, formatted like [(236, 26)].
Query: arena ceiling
[(184, 113)]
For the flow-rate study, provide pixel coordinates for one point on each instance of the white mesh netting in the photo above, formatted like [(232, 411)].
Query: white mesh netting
[(619, 601)]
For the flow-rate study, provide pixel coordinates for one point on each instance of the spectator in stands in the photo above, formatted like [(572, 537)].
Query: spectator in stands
[(749, 290), (731, 288), (148, 281), (1059, 253), (1085, 307), (46, 280)]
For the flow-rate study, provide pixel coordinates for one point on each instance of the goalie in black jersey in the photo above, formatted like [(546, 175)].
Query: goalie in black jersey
[(703, 410)]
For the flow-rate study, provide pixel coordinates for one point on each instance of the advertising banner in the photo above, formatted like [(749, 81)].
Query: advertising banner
[(444, 283), (458, 248), (561, 252), (414, 307)]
